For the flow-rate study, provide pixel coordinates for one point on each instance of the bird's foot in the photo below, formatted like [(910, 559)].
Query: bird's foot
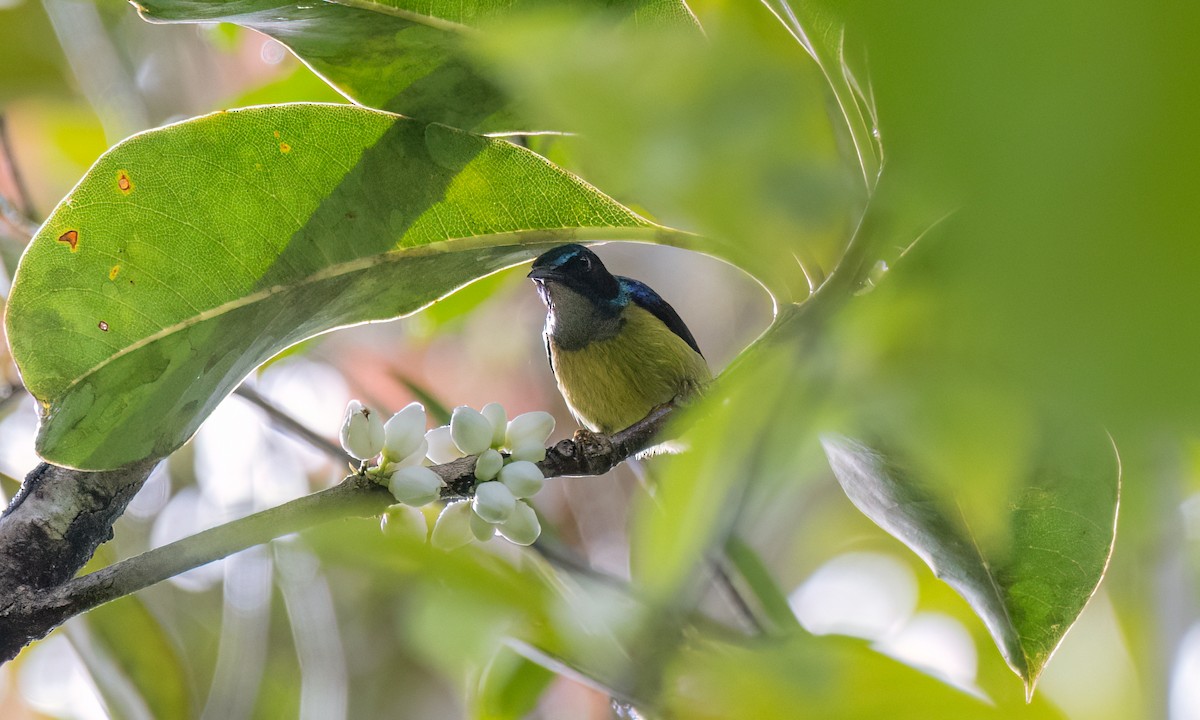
[(596, 449)]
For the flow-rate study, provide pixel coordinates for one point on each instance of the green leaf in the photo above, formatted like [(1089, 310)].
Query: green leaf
[(510, 687), (819, 677), (1029, 581), (398, 55), (822, 34), (190, 254), (726, 132), (126, 649)]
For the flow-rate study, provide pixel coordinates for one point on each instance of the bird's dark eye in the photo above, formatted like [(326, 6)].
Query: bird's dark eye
[(586, 262)]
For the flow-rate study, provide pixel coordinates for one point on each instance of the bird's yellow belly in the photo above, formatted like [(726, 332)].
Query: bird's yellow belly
[(611, 384)]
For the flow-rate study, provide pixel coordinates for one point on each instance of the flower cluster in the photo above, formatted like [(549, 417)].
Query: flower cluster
[(398, 453)]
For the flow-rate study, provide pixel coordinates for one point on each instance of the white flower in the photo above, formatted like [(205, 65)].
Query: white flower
[(522, 526), (362, 432), (415, 485), (488, 465), (529, 428), (495, 414), (416, 457), (481, 529), (441, 446), (470, 430), (532, 452), (453, 527), (404, 432), (522, 478), (493, 502), (404, 521)]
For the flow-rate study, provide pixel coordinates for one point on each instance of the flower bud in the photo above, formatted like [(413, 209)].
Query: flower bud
[(522, 526), (416, 457), (470, 430), (404, 432), (522, 478), (529, 428), (495, 414), (453, 527), (415, 485), (531, 452), (481, 529), (362, 432), (493, 502), (488, 465), (441, 446), (404, 521)]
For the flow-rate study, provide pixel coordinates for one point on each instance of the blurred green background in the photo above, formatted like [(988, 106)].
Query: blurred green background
[(1046, 157)]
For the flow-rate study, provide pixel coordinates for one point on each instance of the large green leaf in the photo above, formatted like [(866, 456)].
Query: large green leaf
[(398, 55), (190, 254), (1029, 578)]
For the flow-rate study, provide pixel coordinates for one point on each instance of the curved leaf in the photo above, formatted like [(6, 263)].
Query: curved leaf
[(190, 254), (510, 687), (398, 55), (1028, 588)]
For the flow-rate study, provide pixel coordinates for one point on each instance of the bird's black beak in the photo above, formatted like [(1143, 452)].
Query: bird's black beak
[(544, 273)]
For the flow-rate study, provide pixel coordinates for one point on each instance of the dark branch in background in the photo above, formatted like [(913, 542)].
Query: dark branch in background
[(19, 218), (289, 425), (35, 607)]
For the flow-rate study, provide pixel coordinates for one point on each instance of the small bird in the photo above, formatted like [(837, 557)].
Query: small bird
[(617, 349)]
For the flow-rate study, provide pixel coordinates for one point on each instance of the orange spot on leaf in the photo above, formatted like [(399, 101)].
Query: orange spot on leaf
[(285, 148), (103, 326), (276, 133), (70, 237), (112, 274), (124, 183)]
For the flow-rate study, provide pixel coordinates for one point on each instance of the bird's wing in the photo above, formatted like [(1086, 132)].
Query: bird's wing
[(649, 300)]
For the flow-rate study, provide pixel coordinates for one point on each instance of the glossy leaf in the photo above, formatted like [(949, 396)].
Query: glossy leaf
[(1030, 582), (191, 254), (398, 55)]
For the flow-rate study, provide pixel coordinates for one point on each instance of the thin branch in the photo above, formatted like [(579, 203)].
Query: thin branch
[(14, 217), (29, 613)]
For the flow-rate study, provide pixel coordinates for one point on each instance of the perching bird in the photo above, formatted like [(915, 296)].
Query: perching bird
[(617, 349)]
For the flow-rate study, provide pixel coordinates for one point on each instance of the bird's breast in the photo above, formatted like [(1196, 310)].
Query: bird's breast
[(612, 383)]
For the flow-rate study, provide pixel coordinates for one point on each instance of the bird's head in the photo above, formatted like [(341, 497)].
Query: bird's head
[(584, 300), (573, 270)]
